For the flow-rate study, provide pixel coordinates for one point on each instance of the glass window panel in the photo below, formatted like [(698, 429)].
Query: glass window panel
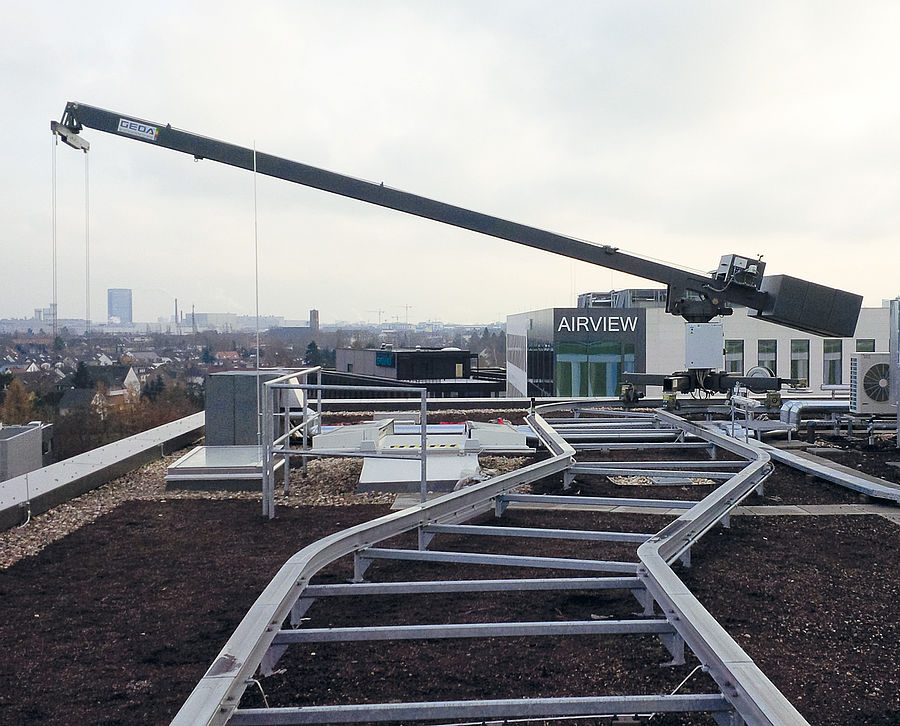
[(592, 369), (767, 354), (563, 378), (584, 378), (832, 361), (734, 356), (800, 359), (598, 378)]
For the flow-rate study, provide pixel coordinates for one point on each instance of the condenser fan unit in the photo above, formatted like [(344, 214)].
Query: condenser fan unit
[(875, 382), (870, 392)]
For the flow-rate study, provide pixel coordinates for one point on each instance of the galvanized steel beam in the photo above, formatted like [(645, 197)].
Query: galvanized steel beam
[(480, 530), (453, 586), (472, 630), (478, 558), (705, 464), (638, 445), (623, 471), (868, 485), (598, 501), (754, 697), (511, 708)]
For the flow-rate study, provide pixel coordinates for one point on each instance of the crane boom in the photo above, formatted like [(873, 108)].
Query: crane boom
[(696, 297)]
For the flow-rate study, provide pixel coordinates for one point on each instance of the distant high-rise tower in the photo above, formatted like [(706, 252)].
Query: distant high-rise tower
[(314, 320), (118, 306)]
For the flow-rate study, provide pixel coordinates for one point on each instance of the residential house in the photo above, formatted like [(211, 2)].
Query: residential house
[(80, 400)]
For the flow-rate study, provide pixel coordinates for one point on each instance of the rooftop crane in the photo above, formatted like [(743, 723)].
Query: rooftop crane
[(696, 297)]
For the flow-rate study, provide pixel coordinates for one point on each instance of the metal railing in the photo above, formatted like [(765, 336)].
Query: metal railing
[(286, 400)]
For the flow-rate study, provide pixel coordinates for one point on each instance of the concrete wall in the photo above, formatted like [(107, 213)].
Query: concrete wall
[(49, 486), (20, 450), (231, 407), (361, 362)]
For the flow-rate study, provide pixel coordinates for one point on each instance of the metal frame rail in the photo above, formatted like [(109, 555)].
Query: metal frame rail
[(755, 699), (753, 695), (277, 409), (215, 698), (746, 696), (864, 484)]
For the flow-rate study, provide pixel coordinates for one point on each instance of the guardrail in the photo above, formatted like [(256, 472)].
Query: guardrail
[(281, 395)]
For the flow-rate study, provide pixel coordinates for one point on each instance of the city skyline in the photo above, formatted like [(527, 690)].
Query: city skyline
[(679, 131), (42, 316)]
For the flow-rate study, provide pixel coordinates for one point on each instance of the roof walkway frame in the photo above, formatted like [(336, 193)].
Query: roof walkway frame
[(747, 696)]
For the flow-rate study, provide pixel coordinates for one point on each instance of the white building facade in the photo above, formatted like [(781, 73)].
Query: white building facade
[(751, 342), (564, 351)]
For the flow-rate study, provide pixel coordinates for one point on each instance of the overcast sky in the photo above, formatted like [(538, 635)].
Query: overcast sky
[(679, 131)]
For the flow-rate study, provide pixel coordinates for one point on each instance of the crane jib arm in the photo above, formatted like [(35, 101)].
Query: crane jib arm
[(698, 298)]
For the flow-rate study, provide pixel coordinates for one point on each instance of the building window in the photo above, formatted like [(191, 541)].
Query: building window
[(540, 370), (349, 368), (767, 355), (800, 359), (832, 361), (516, 346), (518, 365), (734, 356), (592, 369), (865, 345)]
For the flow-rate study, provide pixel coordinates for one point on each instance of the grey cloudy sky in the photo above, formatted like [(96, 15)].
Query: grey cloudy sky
[(675, 130)]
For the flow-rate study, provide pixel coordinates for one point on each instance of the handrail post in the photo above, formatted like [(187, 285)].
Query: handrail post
[(286, 417), (423, 426), (267, 446), (305, 429), (318, 403)]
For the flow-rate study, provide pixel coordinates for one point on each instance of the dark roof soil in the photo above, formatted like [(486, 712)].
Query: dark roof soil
[(813, 600), (116, 623)]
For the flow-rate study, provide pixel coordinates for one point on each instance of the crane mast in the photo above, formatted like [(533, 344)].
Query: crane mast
[(696, 297)]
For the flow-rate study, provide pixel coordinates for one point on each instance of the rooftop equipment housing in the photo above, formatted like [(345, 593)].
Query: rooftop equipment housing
[(870, 391)]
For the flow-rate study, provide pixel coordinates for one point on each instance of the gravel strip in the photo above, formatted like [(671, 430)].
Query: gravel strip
[(646, 481)]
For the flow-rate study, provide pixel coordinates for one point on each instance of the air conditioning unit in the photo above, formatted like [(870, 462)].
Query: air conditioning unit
[(870, 388)]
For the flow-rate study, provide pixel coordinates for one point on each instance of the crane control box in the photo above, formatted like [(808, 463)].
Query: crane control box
[(741, 271)]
